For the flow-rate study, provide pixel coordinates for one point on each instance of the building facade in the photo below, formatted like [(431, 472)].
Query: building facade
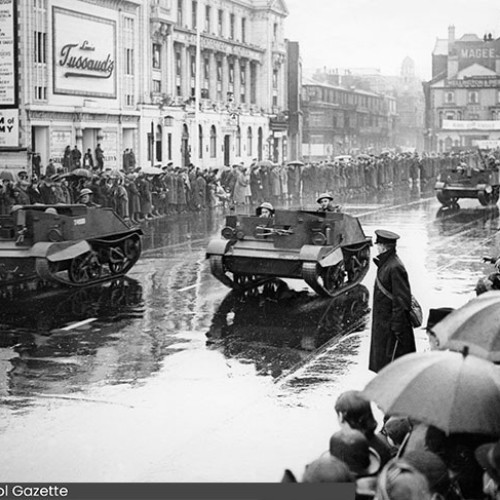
[(123, 74), (463, 97), (340, 121)]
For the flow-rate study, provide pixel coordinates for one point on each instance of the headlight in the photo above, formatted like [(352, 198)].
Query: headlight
[(227, 232), (319, 239)]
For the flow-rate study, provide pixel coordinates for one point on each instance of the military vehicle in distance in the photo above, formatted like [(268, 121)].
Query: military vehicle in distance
[(71, 245), (466, 181), (328, 250)]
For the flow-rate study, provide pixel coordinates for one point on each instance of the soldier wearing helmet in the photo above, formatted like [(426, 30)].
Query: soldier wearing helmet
[(265, 210), (326, 204), (85, 198)]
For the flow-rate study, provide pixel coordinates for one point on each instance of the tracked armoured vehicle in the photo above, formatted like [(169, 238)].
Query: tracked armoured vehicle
[(464, 181), (72, 245), (328, 250)]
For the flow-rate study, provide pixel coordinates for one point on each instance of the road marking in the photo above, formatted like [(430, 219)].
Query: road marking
[(80, 323)]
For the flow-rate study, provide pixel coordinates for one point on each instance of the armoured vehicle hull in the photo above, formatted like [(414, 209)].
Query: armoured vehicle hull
[(328, 250), (71, 245), (456, 183)]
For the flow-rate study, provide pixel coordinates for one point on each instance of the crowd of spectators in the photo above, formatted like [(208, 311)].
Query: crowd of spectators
[(138, 194), (405, 460)]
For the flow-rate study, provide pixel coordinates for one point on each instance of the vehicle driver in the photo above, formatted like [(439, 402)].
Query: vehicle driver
[(265, 210), (85, 198), (326, 204)]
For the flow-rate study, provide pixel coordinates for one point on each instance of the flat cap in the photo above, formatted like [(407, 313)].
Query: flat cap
[(384, 236)]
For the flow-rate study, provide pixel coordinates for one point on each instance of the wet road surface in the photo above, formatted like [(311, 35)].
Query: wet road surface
[(165, 376)]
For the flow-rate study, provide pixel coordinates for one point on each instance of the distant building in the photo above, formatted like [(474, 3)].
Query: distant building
[(462, 100), (406, 88), (122, 74), (339, 120)]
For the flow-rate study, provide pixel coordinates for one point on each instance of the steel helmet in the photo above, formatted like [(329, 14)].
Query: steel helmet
[(85, 191), (324, 195), (267, 205)]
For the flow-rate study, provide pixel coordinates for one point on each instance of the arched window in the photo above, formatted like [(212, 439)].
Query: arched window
[(213, 142), (200, 141), (238, 141), (249, 141), (158, 142)]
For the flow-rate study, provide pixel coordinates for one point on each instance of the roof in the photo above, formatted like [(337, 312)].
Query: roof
[(277, 5), (441, 47), (470, 37), (311, 81)]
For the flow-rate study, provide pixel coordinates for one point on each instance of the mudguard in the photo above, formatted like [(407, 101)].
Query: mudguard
[(66, 250), (217, 247)]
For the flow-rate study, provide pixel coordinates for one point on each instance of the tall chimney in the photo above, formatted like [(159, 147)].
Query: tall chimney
[(451, 33)]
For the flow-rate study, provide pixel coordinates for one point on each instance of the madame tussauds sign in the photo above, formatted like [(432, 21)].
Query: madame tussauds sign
[(84, 54)]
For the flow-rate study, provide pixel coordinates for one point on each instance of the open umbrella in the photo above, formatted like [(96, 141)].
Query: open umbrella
[(452, 391), (7, 175), (265, 163), (295, 163), (80, 172), (475, 325), (151, 170)]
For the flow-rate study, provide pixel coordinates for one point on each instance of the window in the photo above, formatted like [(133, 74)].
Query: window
[(249, 141), (194, 14), (473, 97), (208, 13), (192, 65), (178, 64), (243, 30), (243, 83), (238, 141), (200, 141), (219, 71), (129, 61), (450, 116), (206, 68), (275, 79), (179, 12), (213, 142), (156, 56), (275, 31), (40, 47), (253, 83), (129, 100), (231, 26), (220, 23), (231, 71), (40, 93), (449, 97), (157, 86)]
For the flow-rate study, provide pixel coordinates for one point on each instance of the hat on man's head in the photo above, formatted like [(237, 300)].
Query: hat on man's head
[(396, 428), (327, 469), (436, 315), (488, 457), (85, 191), (322, 196), (352, 447), (387, 237), (432, 467)]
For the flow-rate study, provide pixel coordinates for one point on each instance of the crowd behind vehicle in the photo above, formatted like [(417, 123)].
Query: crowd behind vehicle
[(139, 194)]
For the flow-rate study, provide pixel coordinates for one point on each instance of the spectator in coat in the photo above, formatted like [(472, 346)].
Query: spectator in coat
[(392, 334), (99, 156)]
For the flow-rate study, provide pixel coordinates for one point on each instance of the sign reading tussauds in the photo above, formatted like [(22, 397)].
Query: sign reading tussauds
[(84, 54)]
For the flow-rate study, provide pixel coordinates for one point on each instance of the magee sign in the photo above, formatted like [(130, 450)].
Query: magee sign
[(84, 58)]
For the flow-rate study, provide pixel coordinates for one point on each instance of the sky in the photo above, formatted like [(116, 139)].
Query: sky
[(381, 33)]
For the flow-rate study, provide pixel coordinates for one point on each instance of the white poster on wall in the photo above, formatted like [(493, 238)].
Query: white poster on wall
[(84, 54), (7, 56), (9, 128)]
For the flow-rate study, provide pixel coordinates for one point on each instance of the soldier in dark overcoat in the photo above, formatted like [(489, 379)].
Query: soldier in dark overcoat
[(392, 333)]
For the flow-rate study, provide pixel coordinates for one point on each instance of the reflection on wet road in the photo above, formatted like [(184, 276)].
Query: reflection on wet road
[(143, 378)]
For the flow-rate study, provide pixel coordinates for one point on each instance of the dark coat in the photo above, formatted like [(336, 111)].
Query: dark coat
[(390, 316)]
